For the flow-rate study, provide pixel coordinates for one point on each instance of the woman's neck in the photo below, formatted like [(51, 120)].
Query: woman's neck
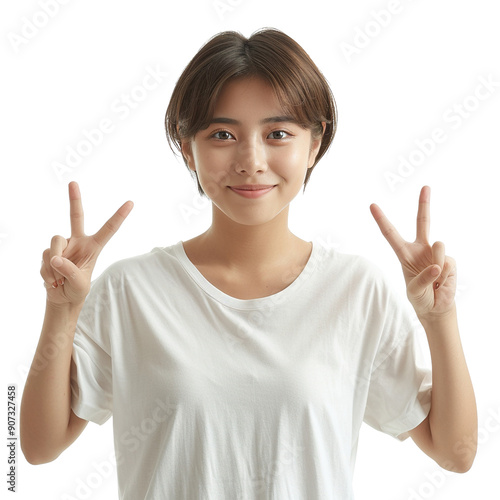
[(248, 250)]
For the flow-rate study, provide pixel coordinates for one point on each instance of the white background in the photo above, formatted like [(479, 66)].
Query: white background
[(396, 78)]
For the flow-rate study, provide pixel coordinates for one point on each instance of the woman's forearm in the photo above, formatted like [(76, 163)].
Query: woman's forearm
[(453, 413)]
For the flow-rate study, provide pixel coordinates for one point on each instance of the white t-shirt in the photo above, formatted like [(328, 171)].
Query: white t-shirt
[(219, 398)]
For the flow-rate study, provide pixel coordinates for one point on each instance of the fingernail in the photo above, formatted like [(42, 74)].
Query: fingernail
[(57, 262)]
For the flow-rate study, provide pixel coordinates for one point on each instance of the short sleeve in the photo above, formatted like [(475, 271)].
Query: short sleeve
[(399, 393), (399, 396), (91, 362)]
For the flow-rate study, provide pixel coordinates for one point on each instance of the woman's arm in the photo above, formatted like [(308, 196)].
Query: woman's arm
[(449, 433), (47, 423)]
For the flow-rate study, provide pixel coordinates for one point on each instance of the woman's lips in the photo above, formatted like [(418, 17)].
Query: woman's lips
[(251, 191)]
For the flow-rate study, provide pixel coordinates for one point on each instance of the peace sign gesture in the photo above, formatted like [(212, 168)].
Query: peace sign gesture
[(430, 275), (68, 264)]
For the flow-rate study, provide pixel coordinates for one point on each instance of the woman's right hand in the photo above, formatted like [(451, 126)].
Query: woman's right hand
[(69, 283)]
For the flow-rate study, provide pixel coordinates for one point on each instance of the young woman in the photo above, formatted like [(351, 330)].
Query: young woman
[(240, 364)]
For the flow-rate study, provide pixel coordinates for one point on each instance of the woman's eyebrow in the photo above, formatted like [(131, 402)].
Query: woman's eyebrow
[(271, 119)]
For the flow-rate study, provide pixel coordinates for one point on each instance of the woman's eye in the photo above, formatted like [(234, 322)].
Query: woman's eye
[(279, 132), (221, 132)]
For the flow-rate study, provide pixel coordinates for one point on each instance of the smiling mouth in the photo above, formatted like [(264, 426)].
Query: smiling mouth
[(251, 191), (252, 187)]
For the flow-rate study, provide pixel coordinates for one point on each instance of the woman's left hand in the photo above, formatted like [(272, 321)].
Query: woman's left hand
[(430, 275)]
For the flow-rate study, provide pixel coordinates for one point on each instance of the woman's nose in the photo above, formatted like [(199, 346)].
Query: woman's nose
[(250, 157)]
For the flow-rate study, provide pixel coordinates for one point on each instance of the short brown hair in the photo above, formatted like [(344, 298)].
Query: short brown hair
[(300, 87)]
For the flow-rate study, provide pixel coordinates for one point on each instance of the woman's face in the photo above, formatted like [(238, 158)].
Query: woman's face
[(246, 145)]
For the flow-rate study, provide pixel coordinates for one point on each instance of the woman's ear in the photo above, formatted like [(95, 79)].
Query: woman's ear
[(187, 153)]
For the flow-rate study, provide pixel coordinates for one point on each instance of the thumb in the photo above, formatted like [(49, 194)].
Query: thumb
[(419, 284)]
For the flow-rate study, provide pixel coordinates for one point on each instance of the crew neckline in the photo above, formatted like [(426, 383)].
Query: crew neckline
[(255, 303)]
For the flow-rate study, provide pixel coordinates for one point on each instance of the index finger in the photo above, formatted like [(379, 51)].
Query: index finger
[(388, 230), (424, 215), (75, 209), (113, 223)]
